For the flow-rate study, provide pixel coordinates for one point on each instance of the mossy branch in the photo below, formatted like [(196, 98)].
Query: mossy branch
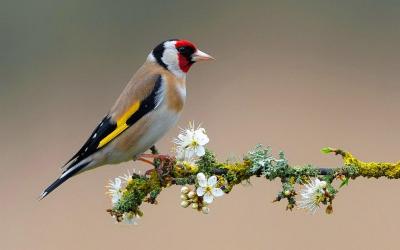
[(259, 163)]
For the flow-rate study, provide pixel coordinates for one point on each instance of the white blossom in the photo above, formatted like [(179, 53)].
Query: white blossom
[(207, 188), (312, 195), (115, 190), (190, 143)]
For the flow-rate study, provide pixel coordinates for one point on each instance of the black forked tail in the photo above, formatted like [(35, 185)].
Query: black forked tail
[(65, 176)]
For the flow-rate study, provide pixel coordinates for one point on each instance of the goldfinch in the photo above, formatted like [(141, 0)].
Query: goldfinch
[(148, 107)]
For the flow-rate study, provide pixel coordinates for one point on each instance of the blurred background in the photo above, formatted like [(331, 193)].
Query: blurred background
[(294, 75)]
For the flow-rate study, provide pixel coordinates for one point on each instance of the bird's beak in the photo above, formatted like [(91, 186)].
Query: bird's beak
[(201, 56)]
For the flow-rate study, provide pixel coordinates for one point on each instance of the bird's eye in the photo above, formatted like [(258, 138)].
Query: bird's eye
[(182, 49)]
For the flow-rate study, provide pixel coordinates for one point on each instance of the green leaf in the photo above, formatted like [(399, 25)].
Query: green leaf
[(327, 150), (345, 182)]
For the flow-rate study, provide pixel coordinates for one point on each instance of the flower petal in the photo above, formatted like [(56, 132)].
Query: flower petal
[(200, 191), (201, 137), (117, 182), (200, 151), (201, 178), (212, 181), (115, 198), (181, 137), (189, 153), (208, 198), (180, 154), (217, 192)]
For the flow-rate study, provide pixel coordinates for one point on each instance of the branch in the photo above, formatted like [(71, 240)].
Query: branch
[(205, 179)]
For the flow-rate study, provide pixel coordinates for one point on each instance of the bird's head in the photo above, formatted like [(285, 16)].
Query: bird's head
[(177, 56)]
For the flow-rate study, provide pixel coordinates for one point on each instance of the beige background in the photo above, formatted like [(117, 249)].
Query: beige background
[(295, 75)]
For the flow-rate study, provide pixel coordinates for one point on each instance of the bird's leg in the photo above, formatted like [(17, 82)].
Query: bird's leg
[(156, 162), (154, 150), (148, 172)]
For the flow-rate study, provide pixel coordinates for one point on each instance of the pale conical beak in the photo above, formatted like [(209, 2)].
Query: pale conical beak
[(201, 56)]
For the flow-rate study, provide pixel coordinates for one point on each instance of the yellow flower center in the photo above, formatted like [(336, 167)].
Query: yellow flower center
[(194, 144)]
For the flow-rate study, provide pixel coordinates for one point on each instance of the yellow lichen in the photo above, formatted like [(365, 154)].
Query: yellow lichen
[(371, 169), (183, 169), (237, 167)]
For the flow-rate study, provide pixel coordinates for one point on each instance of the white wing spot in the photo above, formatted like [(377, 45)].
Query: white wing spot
[(95, 135)]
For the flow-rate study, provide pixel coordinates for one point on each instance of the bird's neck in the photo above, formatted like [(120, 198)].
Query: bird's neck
[(176, 92)]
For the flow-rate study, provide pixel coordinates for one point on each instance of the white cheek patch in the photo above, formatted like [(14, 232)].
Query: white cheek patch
[(170, 58)]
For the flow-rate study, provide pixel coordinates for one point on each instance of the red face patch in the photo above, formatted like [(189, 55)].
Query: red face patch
[(185, 51)]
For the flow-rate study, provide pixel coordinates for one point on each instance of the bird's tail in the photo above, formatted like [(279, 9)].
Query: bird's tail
[(73, 170)]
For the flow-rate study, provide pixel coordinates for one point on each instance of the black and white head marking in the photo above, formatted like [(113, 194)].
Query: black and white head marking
[(167, 55)]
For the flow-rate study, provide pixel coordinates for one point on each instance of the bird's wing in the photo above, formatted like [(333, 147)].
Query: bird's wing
[(142, 95)]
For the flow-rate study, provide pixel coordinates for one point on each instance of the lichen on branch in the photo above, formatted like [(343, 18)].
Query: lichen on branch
[(203, 178)]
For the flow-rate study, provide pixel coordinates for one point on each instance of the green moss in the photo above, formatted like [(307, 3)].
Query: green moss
[(132, 198), (301, 174), (207, 163), (136, 191)]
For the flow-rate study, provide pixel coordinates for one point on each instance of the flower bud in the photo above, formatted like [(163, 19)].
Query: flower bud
[(323, 184), (329, 209), (286, 193), (185, 190), (290, 207), (195, 205), (184, 197), (205, 210), (185, 204), (191, 194)]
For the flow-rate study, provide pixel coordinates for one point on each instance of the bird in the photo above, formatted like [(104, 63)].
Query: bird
[(149, 106)]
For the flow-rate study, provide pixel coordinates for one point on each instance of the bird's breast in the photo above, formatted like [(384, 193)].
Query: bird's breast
[(175, 94)]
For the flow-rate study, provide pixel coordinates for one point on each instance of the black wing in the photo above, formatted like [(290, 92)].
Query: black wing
[(105, 127)]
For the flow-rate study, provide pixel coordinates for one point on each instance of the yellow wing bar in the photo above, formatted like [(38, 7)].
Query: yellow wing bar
[(121, 125)]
